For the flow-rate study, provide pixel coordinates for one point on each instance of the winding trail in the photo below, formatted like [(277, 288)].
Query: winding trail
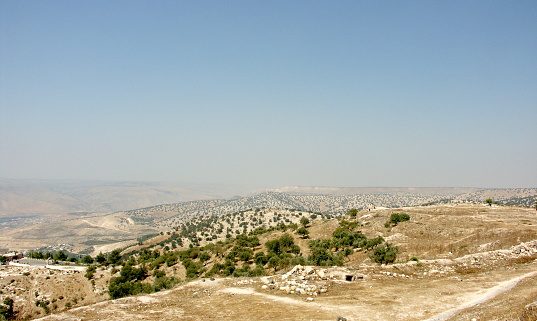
[(487, 295)]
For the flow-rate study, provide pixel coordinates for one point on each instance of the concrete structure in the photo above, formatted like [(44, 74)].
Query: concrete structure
[(12, 256)]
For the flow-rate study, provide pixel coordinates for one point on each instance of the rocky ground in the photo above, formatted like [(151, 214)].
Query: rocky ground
[(375, 297), (470, 262), (498, 286)]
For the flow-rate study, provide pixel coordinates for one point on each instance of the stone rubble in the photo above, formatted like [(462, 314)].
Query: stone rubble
[(308, 280)]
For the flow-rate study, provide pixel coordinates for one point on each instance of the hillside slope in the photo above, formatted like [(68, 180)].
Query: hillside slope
[(84, 230), (449, 255)]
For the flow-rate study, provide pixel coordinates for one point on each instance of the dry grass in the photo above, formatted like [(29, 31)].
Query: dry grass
[(465, 270), (434, 232), (523, 260), (528, 314)]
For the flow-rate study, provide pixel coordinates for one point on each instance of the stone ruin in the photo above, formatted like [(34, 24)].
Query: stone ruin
[(309, 280)]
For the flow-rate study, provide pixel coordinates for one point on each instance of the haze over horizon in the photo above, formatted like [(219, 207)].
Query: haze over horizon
[(270, 94)]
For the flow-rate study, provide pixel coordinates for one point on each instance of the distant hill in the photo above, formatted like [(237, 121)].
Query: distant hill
[(24, 197), (85, 229), (371, 190), (340, 200), (170, 215)]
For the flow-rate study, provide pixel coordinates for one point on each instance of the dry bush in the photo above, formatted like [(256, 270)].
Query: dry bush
[(528, 314), (467, 270), (524, 260)]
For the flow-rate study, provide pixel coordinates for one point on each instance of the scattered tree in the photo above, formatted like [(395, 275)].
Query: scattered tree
[(396, 218), (352, 212), (114, 257), (60, 256), (87, 259), (100, 258), (304, 221), (303, 232)]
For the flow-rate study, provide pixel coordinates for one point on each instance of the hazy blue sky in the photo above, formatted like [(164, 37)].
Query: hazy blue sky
[(271, 93)]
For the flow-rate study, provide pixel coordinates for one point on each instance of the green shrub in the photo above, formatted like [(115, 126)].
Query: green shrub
[(6, 310), (352, 212), (90, 271), (260, 259), (129, 283), (164, 282), (384, 253), (323, 257), (396, 218), (118, 289), (280, 245), (158, 274), (204, 256), (303, 232), (87, 259)]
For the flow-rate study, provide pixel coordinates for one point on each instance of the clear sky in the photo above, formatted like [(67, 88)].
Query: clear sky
[(271, 93)]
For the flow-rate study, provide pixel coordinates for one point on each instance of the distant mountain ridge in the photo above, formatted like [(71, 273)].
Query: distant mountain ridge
[(370, 190), (21, 197), (170, 215), (36, 197), (120, 226)]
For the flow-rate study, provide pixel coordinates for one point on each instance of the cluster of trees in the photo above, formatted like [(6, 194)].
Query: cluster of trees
[(133, 274), (58, 256), (384, 253), (113, 258), (243, 255), (210, 228), (235, 258), (129, 282), (344, 240), (281, 253), (65, 257)]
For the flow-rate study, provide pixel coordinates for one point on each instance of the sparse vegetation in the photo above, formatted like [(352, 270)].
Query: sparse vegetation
[(264, 249)]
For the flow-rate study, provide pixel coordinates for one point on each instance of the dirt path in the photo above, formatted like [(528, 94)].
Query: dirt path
[(230, 299), (483, 297)]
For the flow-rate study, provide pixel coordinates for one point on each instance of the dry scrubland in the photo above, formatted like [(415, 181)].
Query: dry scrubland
[(84, 231), (450, 256)]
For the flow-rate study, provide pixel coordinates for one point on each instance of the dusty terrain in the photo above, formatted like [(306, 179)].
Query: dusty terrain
[(376, 297), (61, 289), (456, 262)]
